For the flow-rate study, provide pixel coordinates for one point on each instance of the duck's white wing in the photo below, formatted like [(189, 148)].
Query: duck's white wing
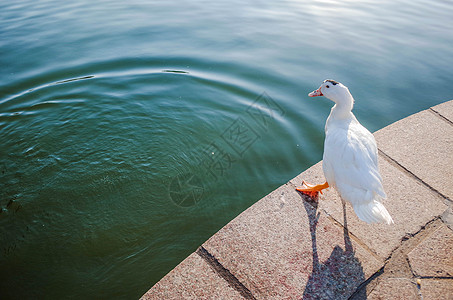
[(350, 164)]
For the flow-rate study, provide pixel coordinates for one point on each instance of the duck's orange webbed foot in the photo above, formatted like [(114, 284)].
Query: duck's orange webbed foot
[(312, 190)]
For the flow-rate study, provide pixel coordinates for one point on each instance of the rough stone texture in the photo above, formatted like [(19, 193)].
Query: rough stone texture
[(445, 109), (434, 256), (410, 204), (447, 216), (283, 248), (422, 143), (192, 279), (437, 289), (394, 289)]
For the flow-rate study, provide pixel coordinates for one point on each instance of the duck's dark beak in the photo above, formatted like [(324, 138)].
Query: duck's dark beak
[(316, 93)]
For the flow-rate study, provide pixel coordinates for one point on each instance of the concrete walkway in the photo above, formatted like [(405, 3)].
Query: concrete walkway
[(288, 247)]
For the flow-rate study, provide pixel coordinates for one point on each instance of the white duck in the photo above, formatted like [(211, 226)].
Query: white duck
[(350, 158)]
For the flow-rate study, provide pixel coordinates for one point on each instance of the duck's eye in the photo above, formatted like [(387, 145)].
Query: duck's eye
[(327, 86)]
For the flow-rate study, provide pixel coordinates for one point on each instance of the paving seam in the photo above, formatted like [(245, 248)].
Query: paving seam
[(411, 242), (405, 170), (424, 231), (447, 216), (358, 292), (439, 115), (354, 238), (407, 244), (224, 273)]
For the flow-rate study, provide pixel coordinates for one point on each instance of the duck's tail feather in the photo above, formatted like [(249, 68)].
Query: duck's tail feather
[(373, 212)]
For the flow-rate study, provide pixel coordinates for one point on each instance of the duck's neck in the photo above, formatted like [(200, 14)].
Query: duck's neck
[(343, 108)]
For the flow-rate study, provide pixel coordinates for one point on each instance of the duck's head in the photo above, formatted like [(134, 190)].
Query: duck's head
[(333, 90)]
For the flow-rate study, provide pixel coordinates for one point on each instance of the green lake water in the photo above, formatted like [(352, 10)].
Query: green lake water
[(131, 131)]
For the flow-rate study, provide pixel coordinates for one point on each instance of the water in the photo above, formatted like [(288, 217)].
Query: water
[(132, 131)]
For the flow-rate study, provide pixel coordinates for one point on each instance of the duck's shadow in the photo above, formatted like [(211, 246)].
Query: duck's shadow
[(338, 276)]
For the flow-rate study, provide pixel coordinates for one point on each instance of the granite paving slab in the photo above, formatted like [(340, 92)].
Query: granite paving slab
[(422, 143), (394, 289), (283, 248), (437, 289), (434, 256), (194, 279), (445, 109)]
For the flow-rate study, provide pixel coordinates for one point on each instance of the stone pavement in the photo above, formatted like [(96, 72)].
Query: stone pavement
[(288, 247)]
